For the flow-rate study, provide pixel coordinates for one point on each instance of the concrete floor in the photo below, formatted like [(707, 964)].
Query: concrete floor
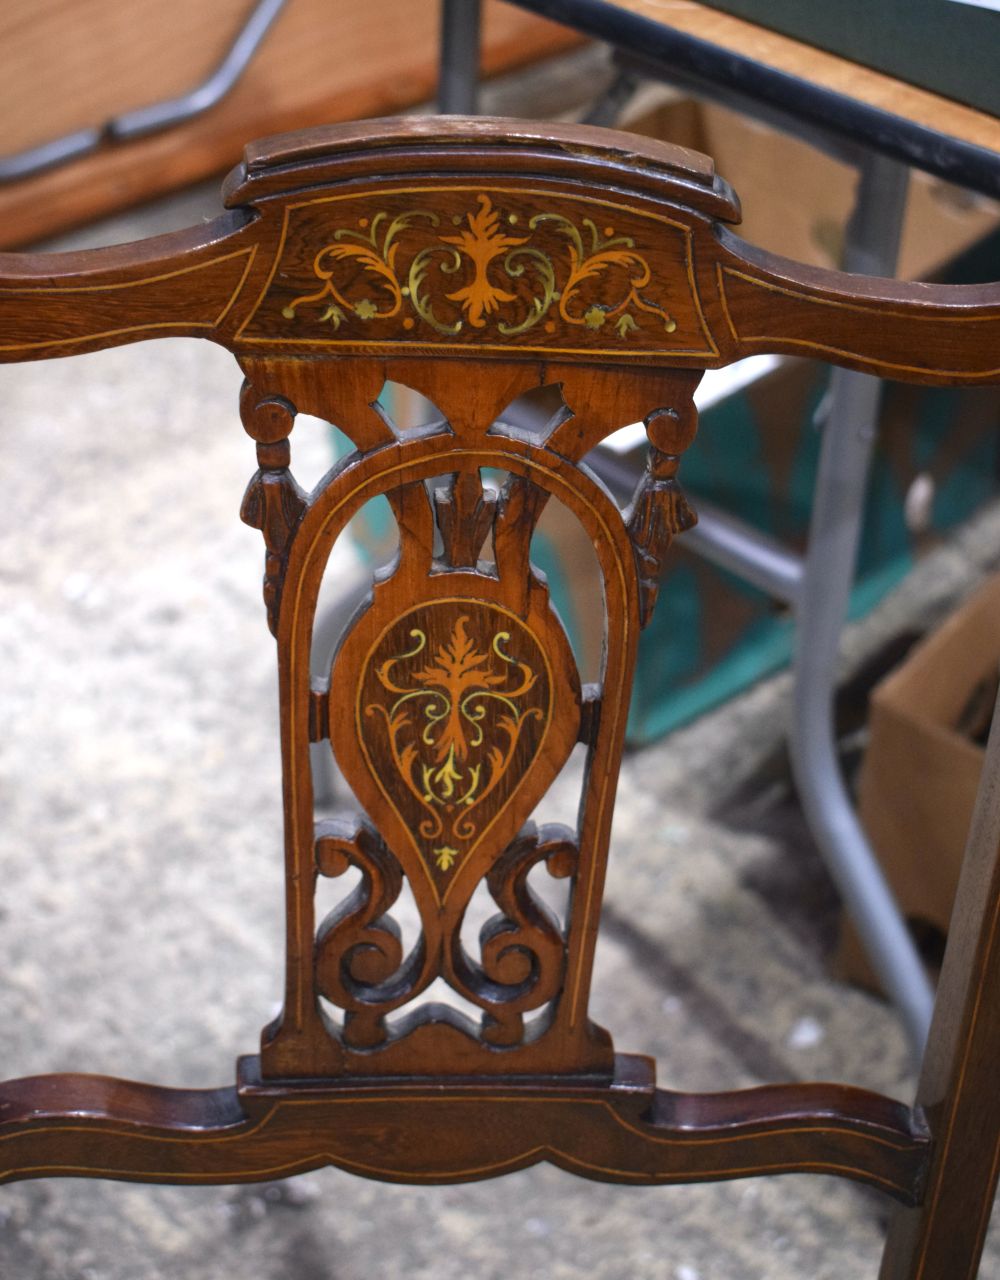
[(142, 911)]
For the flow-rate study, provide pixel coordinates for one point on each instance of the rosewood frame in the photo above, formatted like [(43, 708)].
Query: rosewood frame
[(475, 260)]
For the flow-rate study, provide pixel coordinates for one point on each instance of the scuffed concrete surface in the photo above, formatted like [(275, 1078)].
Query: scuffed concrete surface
[(141, 902)]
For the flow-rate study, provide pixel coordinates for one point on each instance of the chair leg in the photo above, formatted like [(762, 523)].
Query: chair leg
[(942, 1238)]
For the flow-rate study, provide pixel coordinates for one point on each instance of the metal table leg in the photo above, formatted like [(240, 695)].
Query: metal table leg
[(458, 81), (850, 423)]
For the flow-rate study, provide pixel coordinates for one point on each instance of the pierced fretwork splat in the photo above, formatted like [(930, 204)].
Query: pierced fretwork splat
[(452, 704)]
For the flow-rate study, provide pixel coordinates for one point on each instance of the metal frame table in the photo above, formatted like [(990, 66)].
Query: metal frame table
[(881, 127)]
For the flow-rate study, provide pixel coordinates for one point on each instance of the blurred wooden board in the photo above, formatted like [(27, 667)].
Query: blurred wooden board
[(937, 44), (821, 90), (74, 63), (826, 70)]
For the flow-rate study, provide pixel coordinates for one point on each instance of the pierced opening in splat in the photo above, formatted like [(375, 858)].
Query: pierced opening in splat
[(366, 550), (407, 412), (533, 416), (562, 551)]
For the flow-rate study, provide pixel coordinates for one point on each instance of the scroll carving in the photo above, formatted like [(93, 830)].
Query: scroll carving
[(359, 956), (523, 951)]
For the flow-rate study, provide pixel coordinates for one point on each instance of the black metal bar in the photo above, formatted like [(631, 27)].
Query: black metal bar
[(458, 83), (151, 119)]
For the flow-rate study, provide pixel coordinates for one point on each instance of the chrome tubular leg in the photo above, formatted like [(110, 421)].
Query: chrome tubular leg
[(458, 77), (848, 438)]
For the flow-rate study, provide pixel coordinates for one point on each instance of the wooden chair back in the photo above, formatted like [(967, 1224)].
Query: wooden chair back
[(477, 261)]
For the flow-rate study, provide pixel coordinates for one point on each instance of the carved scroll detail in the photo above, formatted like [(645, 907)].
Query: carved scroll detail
[(359, 955), (523, 948)]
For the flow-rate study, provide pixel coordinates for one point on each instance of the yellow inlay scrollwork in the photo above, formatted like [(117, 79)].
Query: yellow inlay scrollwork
[(436, 727), (374, 249), (600, 280)]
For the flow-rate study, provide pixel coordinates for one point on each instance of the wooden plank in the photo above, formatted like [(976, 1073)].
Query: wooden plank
[(839, 75), (75, 63)]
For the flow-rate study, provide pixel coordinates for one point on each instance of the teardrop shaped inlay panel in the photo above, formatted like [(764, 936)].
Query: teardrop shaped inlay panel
[(453, 714)]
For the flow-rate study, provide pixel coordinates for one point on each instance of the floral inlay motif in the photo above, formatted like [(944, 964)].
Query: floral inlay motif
[(455, 714), (482, 241), (558, 270)]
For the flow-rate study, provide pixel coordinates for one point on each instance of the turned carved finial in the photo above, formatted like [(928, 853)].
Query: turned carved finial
[(659, 508), (273, 501)]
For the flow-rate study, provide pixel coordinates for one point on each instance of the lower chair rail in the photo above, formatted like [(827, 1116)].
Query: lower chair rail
[(440, 1130)]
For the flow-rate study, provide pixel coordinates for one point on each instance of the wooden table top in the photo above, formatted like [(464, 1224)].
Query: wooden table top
[(929, 131)]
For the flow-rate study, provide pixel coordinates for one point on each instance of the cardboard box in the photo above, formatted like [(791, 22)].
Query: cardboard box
[(921, 770)]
